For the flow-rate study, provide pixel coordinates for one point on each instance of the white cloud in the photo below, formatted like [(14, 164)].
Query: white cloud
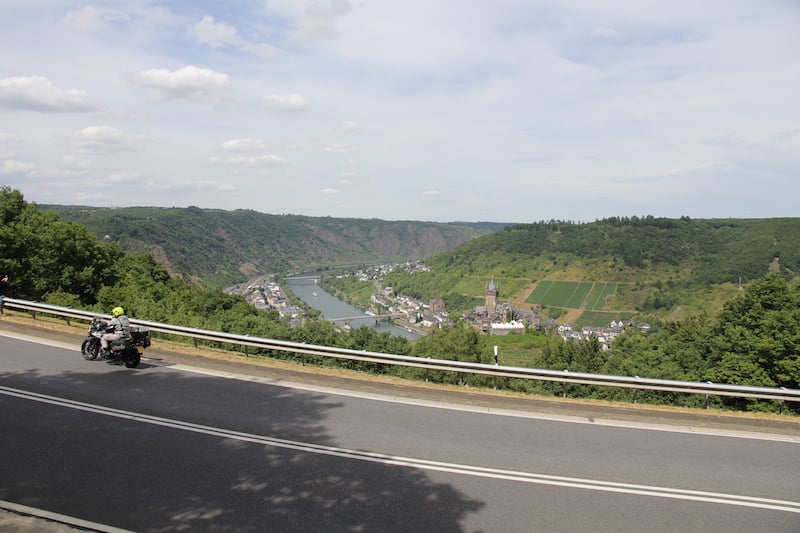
[(247, 145), (90, 17), (130, 17), (339, 148), (261, 49), (105, 139), (123, 177), (75, 162), (349, 126), (12, 167), (288, 102), (215, 34), (8, 145), (318, 22), (257, 161), (153, 17), (603, 31), (187, 83), (184, 186), (219, 35), (329, 191), (37, 93)]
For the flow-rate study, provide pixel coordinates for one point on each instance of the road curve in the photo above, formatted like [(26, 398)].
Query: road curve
[(187, 444)]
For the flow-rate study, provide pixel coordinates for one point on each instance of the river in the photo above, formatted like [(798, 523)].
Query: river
[(332, 307)]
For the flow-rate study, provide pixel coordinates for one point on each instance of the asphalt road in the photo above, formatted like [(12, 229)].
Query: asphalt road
[(186, 444)]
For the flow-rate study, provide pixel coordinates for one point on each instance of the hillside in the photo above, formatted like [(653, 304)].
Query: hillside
[(649, 268), (646, 267), (216, 247)]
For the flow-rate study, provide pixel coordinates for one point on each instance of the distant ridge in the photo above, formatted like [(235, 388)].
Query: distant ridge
[(213, 247)]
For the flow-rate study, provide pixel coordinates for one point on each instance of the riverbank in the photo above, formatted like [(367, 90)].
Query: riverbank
[(340, 312), (408, 326)]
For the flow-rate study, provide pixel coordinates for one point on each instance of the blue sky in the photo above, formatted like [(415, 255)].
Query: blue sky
[(441, 110)]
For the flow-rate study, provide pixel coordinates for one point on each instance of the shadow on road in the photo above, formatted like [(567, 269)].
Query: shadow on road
[(146, 477)]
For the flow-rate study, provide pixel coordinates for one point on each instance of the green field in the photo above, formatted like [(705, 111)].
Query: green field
[(597, 299), (589, 295)]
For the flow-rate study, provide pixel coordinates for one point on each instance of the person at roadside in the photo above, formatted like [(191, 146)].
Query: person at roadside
[(118, 328), (3, 285)]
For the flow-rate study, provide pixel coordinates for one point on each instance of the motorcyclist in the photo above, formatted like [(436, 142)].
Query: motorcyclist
[(118, 328)]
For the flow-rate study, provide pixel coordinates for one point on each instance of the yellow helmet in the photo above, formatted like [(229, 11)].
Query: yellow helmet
[(117, 311)]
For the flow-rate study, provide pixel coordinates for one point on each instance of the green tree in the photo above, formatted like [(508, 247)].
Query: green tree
[(459, 342), (44, 254), (584, 355), (761, 328), (756, 339)]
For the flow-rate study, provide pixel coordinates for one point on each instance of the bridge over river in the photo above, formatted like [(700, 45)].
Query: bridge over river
[(378, 318)]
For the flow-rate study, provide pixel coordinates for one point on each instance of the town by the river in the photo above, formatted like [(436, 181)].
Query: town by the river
[(266, 294)]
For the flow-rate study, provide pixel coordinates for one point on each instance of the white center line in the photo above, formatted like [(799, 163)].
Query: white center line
[(468, 470)]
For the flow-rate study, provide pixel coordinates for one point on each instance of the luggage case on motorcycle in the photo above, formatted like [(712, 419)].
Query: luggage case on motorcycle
[(140, 335)]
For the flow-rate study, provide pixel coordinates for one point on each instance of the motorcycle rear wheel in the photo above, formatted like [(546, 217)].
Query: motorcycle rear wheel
[(133, 360), (90, 348)]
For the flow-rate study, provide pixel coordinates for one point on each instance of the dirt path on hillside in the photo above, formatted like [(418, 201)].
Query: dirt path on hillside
[(571, 315), (526, 293)]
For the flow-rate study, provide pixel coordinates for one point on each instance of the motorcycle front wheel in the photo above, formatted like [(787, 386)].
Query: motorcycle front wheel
[(90, 348)]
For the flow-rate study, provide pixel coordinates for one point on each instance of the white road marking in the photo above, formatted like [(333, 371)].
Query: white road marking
[(423, 464), (39, 340)]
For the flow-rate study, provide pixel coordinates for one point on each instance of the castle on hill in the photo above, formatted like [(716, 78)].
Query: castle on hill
[(499, 317)]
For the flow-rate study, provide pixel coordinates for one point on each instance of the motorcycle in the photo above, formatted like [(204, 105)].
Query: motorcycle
[(125, 350)]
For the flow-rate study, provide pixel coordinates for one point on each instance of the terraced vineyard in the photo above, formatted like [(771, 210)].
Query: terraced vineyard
[(588, 296)]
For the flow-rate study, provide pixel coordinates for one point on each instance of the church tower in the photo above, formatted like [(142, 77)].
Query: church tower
[(492, 292)]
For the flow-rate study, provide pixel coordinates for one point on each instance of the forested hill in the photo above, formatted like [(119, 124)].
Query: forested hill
[(216, 247), (651, 267), (703, 250)]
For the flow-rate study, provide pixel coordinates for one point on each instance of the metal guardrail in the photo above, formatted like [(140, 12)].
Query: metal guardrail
[(563, 376)]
